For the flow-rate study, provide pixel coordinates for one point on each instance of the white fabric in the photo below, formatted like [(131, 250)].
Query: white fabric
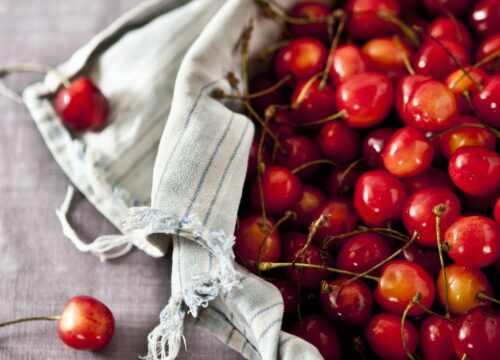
[(156, 63)]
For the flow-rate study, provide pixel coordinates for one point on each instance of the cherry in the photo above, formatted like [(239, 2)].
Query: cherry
[(350, 304), (302, 58), (282, 124), (366, 99), (341, 216), (436, 339), (309, 207), (487, 47), (474, 241), (317, 331), (455, 139), (341, 181), (429, 177), (455, 7), (399, 281), (485, 18), (292, 242), (447, 28), (262, 82), (307, 277), (418, 213), (427, 259), (290, 297), (362, 252), (373, 146), (458, 83), (383, 334), (252, 240), (487, 102), (477, 334), (365, 21), (81, 105), (312, 101), (253, 157), (379, 198), (407, 153), (281, 190), (387, 53), (475, 170), (497, 211), (314, 11), (464, 285), (339, 142), (346, 61), (298, 150)]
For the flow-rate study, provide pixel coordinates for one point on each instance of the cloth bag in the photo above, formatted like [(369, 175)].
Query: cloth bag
[(170, 165)]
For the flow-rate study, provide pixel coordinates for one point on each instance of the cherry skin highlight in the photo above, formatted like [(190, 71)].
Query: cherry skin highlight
[(347, 61), (487, 102), (373, 146), (485, 18), (387, 54), (436, 339)]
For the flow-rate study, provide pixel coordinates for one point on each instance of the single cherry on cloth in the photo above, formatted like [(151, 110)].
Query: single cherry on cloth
[(430, 177), (317, 13), (316, 330), (365, 20), (464, 285), (473, 241), (475, 170), (81, 105), (346, 61), (485, 18), (383, 334), (341, 218), (307, 277), (460, 84), (387, 53), (418, 213), (477, 334), (302, 58), (487, 102), (308, 208), (407, 153), (350, 304), (281, 190), (379, 198), (290, 297), (339, 142), (399, 281), (298, 150), (366, 99), (373, 146), (312, 101), (442, 7), (436, 340), (451, 29)]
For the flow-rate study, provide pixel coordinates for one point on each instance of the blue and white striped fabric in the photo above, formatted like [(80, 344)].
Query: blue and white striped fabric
[(177, 158)]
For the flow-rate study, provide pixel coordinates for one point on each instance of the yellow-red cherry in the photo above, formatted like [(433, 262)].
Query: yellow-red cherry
[(347, 61)]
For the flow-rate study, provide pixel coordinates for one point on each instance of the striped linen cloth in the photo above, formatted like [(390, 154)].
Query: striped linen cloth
[(170, 165)]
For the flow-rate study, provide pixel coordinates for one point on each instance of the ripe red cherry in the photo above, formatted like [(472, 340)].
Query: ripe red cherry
[(290, 298), (363, 251), (386, 54), (366, 98), (440, 7), (309, 278), (302, 58), (313, 103), (475, 170), (474, 241), (418, 215), (308, 208), (487, 102), (291, 242), (81, 105), (434, 61), (298, 150), (342, 218), (486, 47), (427, 259), (407, 153), (458, 83), (281, 189), (485, 18), (430, 177), (250, 237), (383, 334), (365, 22), (316, 330), (282, 124), (340, 183), (426, 104), (350, 304), (373, 146), (399, 281), (477, 334), (379, 198), (312, 11), (496, 211), (262, 82), (436, 340), (86, 323), (463, 286), (347, 60), (446, 28), (339, 142)]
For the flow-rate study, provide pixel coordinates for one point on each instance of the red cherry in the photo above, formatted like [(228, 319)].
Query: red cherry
[(379, 198), (298, 150), (292, 242), (347, 60), (253, 157), (313, 103), (434, 61), (339, 183), (399, 281), (365, 22), (308, 208), (309, 278), (475, 170), (430, 177), (387, 54), (427, 259), (317, 331), (302, 58), (477, 334), (441, 7), (81, 105), (350, 304), (436, 340), (250, 237), (485, 18), (474, 241), (312, 11), (290, 297), (366, 98), (363, 251), (487, 47), (281, 189), (418, 215), (86, 324), (446, 28), (383, 334), (339, 142), (407, 153), (458, 83), (497, 211), (487, 102), (262, 82), (373, 146), (342, 218), (282, 124)]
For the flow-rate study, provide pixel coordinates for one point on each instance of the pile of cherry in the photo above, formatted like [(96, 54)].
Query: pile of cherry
[(372, 192)]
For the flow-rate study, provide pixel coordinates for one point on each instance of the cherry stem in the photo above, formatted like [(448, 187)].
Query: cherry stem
[(304, 91), (264, 54), (46, 318), (465, 125), (416, 300), (477, 65), (464, 357), (341, 114), (315, 225), (438, 211), (347, 170), (312, 163), (383, 231), (265, 266), (31, 67), (409, 32), (342, 16), (406, 61), (260, 169), (482, 296)]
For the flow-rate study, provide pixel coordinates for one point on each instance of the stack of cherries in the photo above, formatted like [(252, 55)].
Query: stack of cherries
[(372, 191)]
